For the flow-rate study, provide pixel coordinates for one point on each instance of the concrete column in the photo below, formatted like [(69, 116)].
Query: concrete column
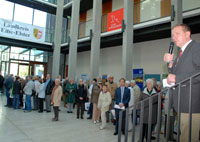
[(96, 39), (57, 39), (127, 40), (74, 38), (178, 17)]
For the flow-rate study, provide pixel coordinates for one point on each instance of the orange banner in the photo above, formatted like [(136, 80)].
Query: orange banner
[(114, 20)]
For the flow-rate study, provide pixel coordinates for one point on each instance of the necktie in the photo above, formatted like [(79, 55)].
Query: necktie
[(180, 54), (122, 93)]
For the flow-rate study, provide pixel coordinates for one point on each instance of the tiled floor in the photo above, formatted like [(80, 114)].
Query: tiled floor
[(17, 126)]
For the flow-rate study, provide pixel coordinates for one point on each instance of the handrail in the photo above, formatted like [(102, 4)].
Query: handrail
[(150, 99)]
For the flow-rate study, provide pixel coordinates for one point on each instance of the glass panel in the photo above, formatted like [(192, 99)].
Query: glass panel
[(23, 14), (40, 18), (24, 56), (51, 1), (13, 68), (39, 70), (6, 9), (23, 71), (67, 1), (190, 4), (3, 68)]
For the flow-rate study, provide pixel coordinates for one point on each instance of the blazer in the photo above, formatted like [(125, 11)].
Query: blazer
[(187, 65), (126, 96), (50, 87)]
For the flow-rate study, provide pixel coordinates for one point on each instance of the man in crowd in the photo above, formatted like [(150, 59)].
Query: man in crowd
[(122, 98), (28, 90), (1, 83), (48, 90), (112, 86), (65, 83), (8, 84), (184, 66)]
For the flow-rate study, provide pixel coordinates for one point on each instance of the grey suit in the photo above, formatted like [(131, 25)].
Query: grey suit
[(187, 65)]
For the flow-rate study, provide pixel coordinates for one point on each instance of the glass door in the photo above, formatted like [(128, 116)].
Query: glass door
[(23, 70)]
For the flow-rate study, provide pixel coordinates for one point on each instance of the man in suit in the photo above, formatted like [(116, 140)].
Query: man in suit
[(185, 65), (49, 85), (122, 98)]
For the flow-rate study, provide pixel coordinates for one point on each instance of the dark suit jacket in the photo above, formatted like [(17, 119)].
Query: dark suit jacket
[(188, 64), (50, 87), (126, 96)]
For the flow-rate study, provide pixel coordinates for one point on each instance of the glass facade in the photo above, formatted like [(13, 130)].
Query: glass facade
[(21, 61)]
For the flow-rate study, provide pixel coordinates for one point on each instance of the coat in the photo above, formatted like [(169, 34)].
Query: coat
[(111, 88), (186, 66), (1, 81), (28, 89), (37, 85), (49, 87), (71, 95), (41, 91), (126, 96), (137, 93), (57, 96), (145, 95), (104, 101), (17, 87), (8, 82), (81, 92), (95, 94)]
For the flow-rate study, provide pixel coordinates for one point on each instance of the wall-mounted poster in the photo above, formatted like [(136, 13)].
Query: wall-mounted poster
[(138, 77)]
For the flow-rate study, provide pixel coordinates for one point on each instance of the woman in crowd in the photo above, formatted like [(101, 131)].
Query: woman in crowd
[(148, 92), (56, 98), (35, 97), (94, 98), (71, 89), (81, 98), (16, 93), (104, 104), (41, 95)]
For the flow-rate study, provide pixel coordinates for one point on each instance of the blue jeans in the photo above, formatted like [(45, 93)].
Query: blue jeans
[(8, 97), (28, 102), (16, 101)]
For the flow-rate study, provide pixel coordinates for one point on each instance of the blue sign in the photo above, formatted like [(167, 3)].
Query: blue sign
[(138, 77)]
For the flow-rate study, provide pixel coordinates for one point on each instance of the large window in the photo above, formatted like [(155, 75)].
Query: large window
[(39, 18), (6, 9), (23, 14)]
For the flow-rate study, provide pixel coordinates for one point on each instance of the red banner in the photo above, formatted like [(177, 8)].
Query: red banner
[(114, 20)]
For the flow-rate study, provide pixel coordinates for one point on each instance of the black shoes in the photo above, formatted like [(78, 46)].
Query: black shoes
[(115, 133), (89, 117)]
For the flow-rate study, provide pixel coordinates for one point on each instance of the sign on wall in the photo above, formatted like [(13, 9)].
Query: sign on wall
[(114, 20), (18, 30), (138, 77)]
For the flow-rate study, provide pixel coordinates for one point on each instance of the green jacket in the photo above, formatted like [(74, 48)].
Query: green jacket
[(71, 96)]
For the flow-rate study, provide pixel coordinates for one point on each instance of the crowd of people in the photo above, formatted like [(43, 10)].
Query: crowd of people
[(105, 97)]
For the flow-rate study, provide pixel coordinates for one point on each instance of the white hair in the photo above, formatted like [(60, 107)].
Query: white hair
[(127, 82), (133, 81), (149, 80)]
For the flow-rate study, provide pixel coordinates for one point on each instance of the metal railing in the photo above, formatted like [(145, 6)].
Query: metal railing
[(158, 96)]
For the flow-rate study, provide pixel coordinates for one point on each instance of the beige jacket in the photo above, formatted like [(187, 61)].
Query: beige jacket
[(112, 88), (57, 96), (104, 101), (137, 93)]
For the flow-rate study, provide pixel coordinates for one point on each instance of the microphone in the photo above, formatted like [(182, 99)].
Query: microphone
[(171, 47)]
